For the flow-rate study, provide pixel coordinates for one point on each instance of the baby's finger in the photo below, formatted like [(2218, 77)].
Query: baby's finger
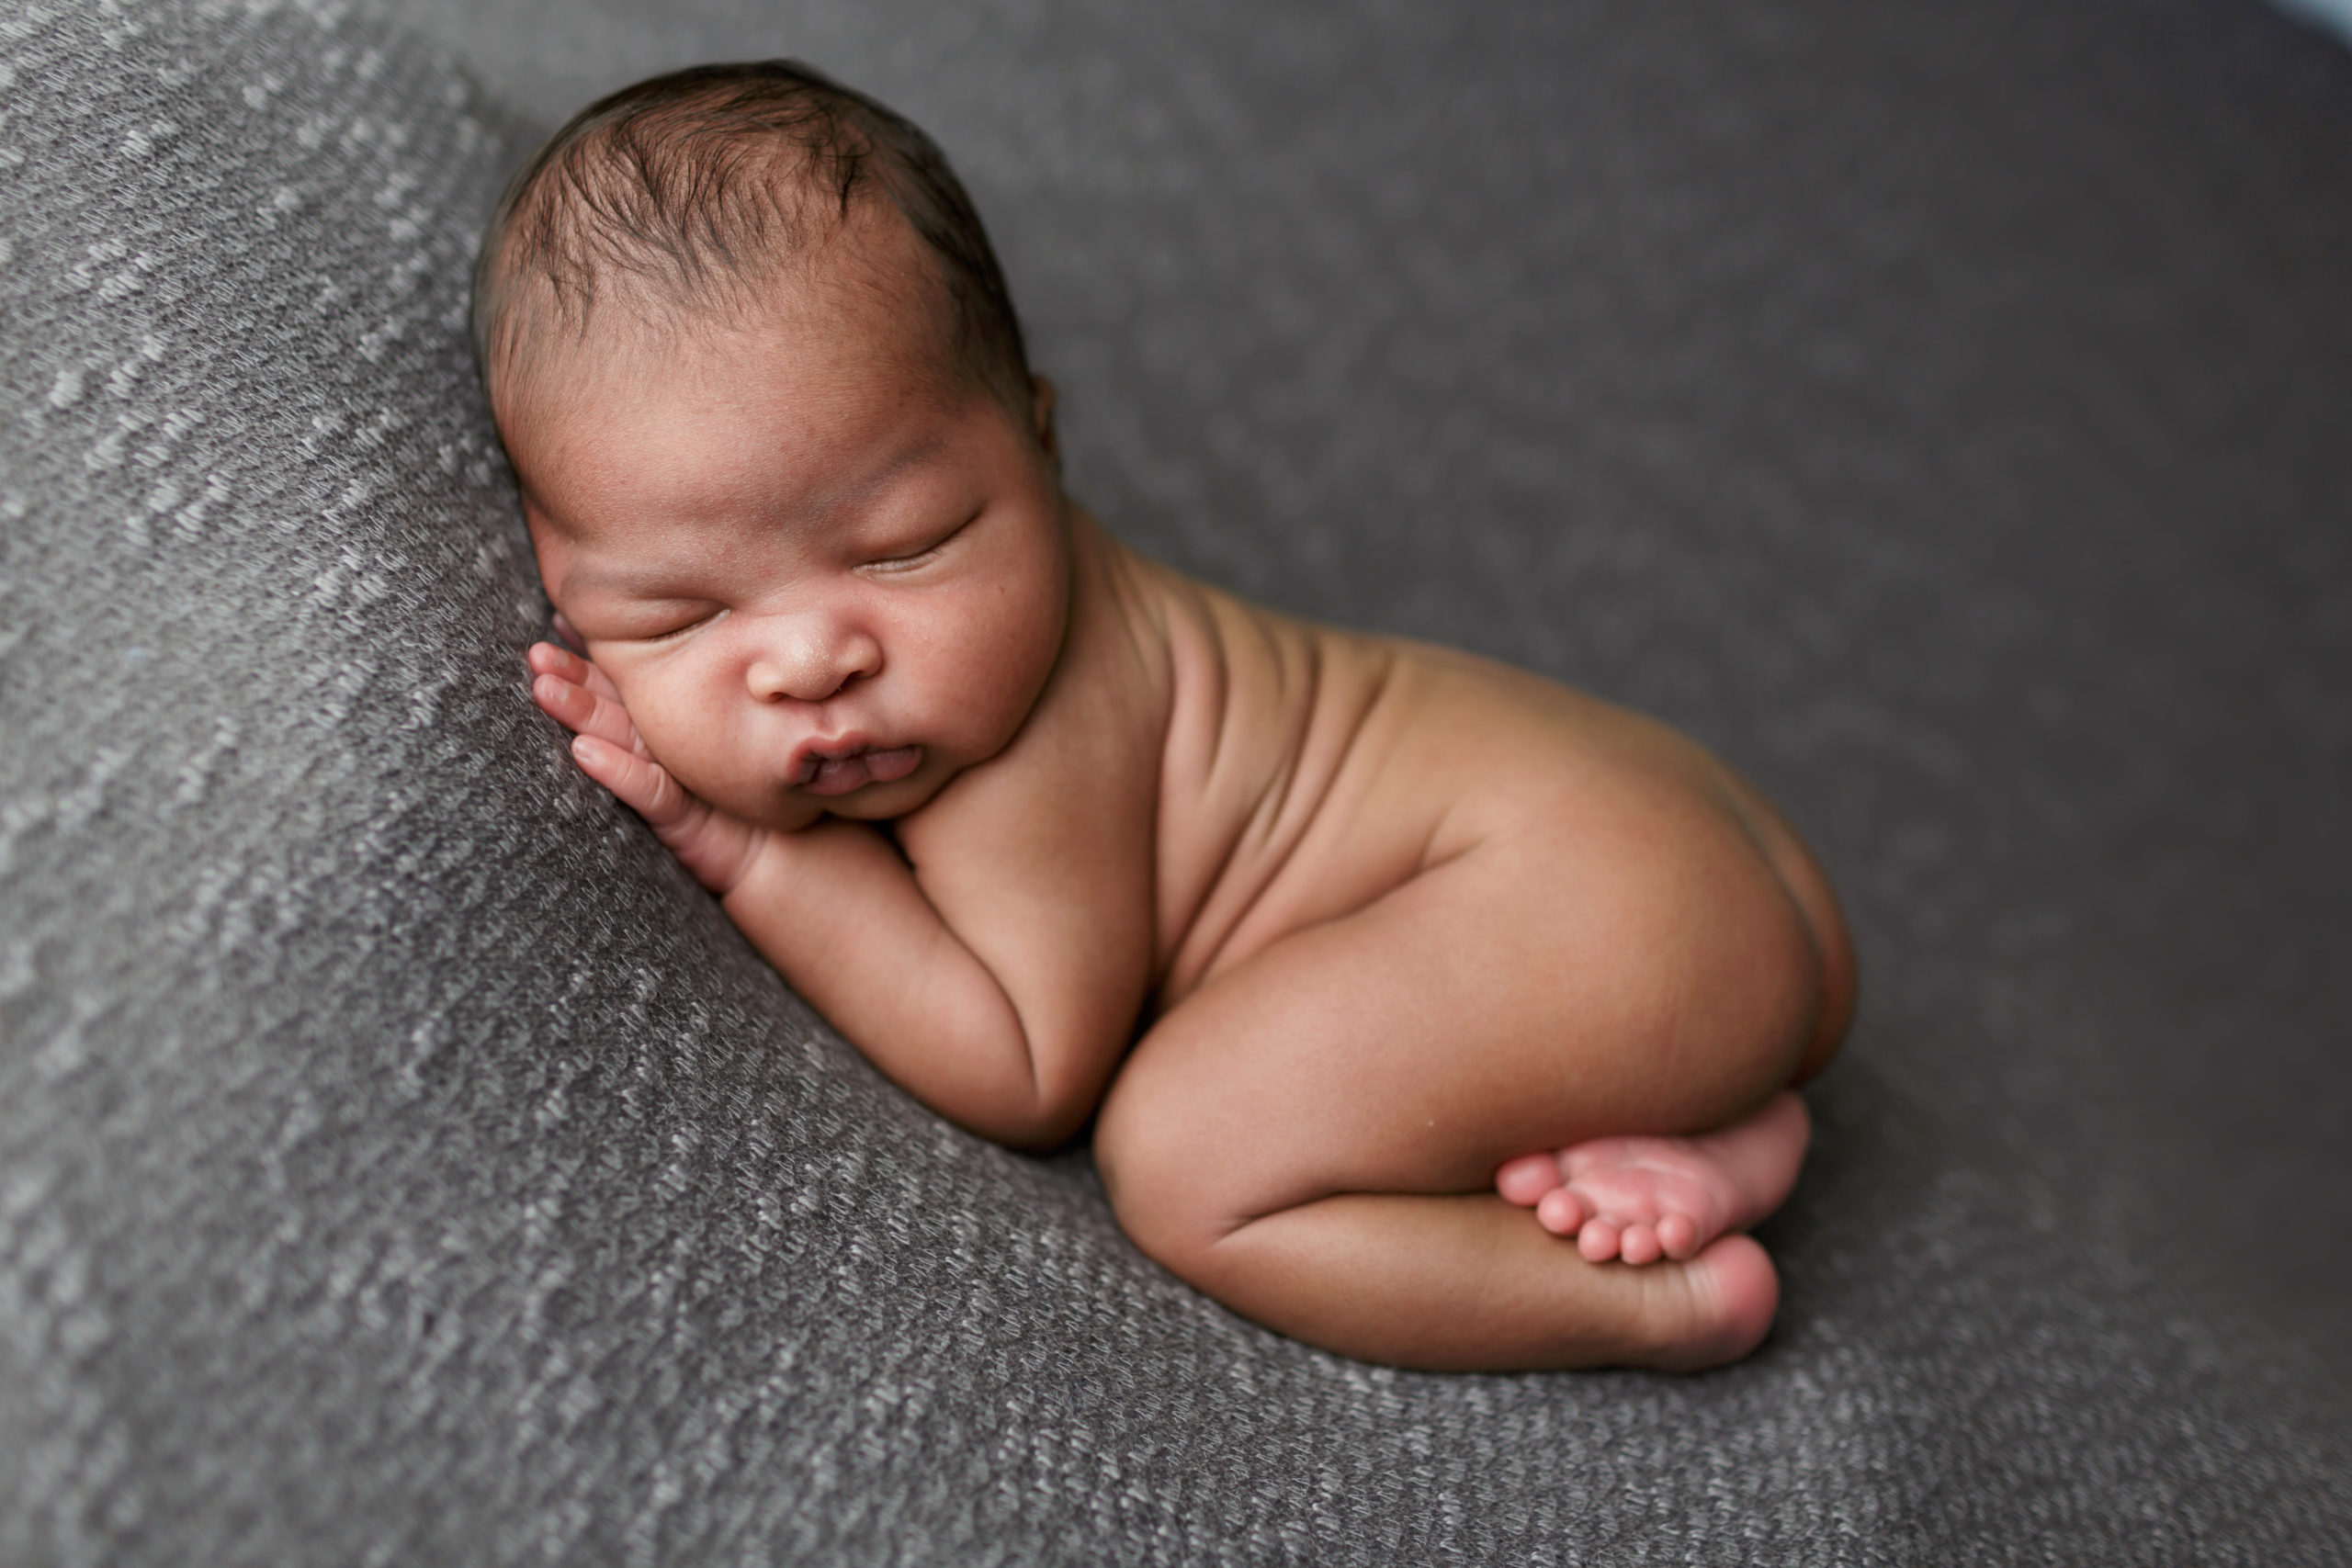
[(546, 659), (643, 785), (553, 659), (714, 847), (576, 708), (602, 684), (549, 659)]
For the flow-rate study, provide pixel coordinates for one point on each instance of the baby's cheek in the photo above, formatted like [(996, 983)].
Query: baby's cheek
[(974, 716), (679, 738), (1007, 661)]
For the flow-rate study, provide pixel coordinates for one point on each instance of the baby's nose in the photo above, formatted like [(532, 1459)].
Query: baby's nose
[(808, 662)]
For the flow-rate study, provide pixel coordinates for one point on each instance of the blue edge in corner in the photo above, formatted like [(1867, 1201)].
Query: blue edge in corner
[(2335, 15)]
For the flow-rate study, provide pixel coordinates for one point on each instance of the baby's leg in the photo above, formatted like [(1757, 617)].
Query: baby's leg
[(1641, 1199), (1311, 1137)]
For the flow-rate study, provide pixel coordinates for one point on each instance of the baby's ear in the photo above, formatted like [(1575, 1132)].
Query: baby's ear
[(1040, 413)]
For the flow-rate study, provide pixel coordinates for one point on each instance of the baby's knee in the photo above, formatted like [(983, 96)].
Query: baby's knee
[(1140, 1166), (1745, 981), (1167, 1180)]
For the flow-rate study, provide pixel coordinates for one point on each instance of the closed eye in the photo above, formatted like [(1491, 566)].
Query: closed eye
[(922, 557), (673, 633)]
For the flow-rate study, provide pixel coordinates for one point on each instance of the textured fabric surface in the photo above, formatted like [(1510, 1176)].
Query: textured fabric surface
[(1936, 409)]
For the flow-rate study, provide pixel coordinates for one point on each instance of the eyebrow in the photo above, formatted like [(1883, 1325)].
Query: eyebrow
[(623, 581), (867, 486)]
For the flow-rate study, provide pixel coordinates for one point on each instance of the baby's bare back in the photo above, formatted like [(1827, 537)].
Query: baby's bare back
[(1309, 770)]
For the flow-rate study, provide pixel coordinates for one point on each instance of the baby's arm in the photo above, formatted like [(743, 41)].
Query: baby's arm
[(997, 984)]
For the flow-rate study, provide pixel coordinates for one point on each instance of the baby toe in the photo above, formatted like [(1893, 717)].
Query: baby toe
[(1598, 1241), (1639, 1245), (1679, 1235), (1561, 1211), (1526, 1180)]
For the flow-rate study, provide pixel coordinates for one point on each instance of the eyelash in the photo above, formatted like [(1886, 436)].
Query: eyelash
[(891, 563), (676, 632), (929, 550)]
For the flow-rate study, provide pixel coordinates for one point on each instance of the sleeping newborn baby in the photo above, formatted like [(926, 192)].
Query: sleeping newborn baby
[(1425, 1010)]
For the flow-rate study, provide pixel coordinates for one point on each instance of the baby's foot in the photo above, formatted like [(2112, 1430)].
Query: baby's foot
[(1643, 1199)]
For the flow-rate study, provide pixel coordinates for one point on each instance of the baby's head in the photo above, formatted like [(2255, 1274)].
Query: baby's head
[(788, 473)]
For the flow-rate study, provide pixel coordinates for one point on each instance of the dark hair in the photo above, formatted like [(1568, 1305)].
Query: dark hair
[(699, 186)]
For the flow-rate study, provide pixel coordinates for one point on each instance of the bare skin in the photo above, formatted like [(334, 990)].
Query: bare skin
[(997, 794)]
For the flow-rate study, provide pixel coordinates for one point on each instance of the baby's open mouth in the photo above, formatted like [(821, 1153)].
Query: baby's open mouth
[(821, 772)]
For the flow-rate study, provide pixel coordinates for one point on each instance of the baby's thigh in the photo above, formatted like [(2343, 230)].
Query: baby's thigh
[(1488, 1006)]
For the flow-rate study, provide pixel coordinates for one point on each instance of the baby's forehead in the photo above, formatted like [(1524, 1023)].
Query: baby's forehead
[(871, 282), (791, 419)]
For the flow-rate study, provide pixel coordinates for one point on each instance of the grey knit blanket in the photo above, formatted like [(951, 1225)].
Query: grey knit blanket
[(1939, 410)]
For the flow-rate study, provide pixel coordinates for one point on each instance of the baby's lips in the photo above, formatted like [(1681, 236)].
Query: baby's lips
[(889, 767), (823, 775)]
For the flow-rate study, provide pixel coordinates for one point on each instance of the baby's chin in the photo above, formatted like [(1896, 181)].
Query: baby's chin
[(880, 802), (787, 810)]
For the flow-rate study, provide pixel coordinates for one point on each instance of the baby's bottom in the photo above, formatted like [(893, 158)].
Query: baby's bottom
[(1312, 1137)]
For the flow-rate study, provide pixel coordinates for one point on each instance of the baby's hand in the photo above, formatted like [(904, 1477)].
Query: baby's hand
[(715, 847)]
